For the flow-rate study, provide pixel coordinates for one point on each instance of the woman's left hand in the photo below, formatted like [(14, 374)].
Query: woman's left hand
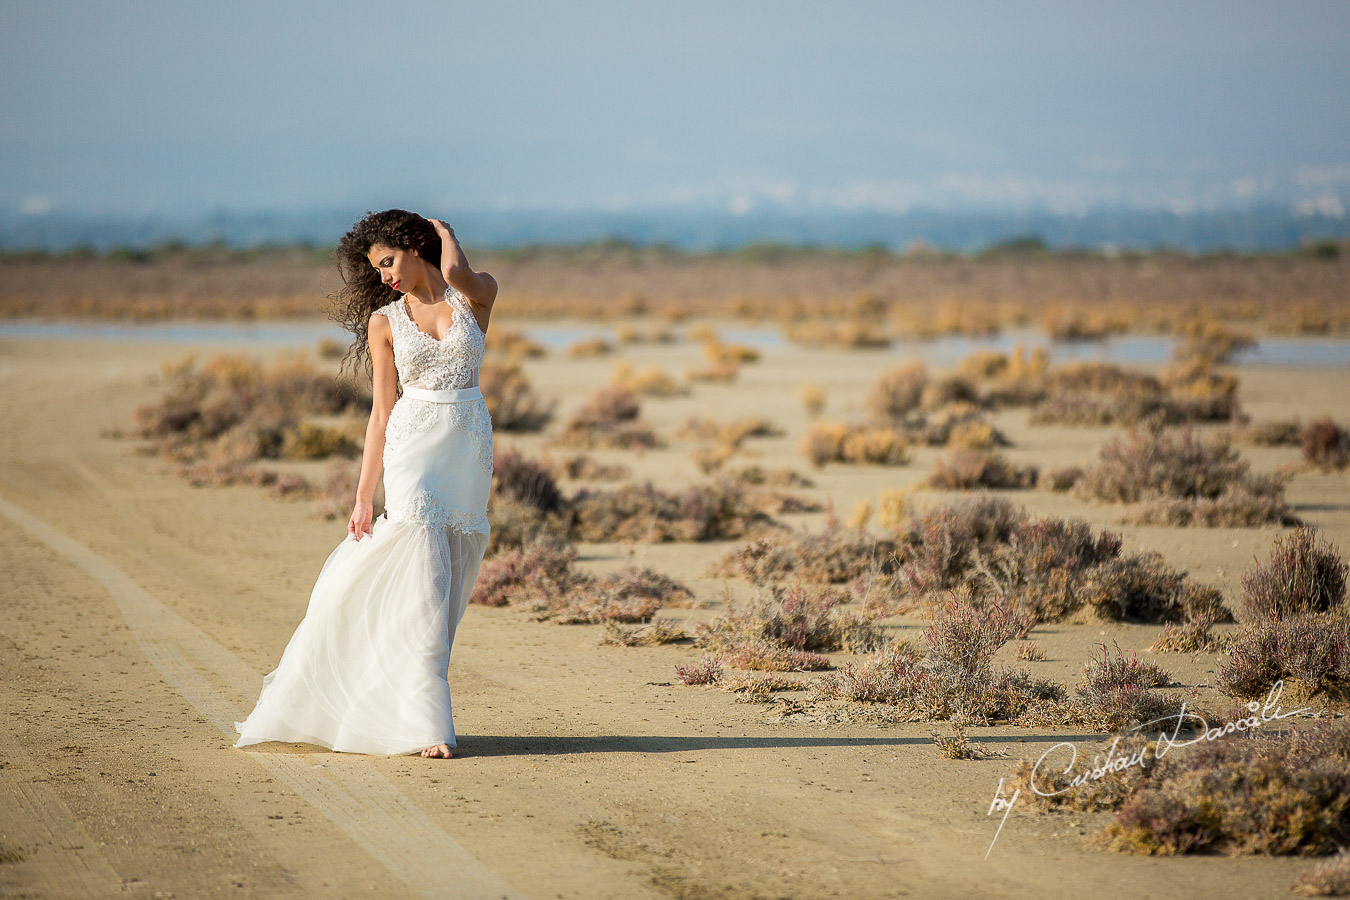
[(442, 229)]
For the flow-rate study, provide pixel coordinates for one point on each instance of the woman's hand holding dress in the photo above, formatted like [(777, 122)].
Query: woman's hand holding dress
[(362, 514)]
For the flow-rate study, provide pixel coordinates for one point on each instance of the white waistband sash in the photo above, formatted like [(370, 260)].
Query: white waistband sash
[(458, 395)]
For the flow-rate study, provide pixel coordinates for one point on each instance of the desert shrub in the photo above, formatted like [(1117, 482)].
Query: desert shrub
[(290, 486), (631, 334), (1098, 394), (974, 434), (733, 432), (1161, 463), (797, 617), (881, 590), (597, 605), (861, 515), (1108, 675), (983, 365), (336, 493), (1276, 794), (958, 746), (1181, 478), (584, 466), (954, 679), (949, 390), (525, 504), (1054, 788), (651, 381), (705, 670), (517, 523), (897, 392), (773, 502), (1259, 500), (1049, 568), (505, 575), (327, 348), (768, 656), (964, 638), (965, 470), (942, 541), (954, 425), (1029, 651), (711, 457), (718, 511), (758, 476), (1209, 342), (541, 578), (877, 679), (720, 370), (1326, 445), (512, 343), (1267, 793), (893, 506), (757, 686), (1303, 575), (1114, 692), (717, 351), (311, 441), (1102, 394), (610, 419), (1143, 588), (1043, 564), (1064, 323), (236, 394), (1059, 480), (1018, 379), (1330, 879), (1310, 652), (813, 399), (833, 556), (1189, 637), (511, 400), (644, 581), (1279, 433), (526, 480), (848, 335), (590, 347), (657, 631), (837, 442), (1195, 392)]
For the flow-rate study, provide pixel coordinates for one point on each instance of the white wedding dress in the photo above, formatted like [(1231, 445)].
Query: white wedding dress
[(365, 671)]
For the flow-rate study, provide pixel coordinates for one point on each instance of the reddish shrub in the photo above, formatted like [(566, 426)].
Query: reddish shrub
[(1326, 445), (1309, 651), (1303, 575), (964, 470)]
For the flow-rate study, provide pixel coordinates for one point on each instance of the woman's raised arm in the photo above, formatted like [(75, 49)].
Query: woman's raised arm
[(479, 288)]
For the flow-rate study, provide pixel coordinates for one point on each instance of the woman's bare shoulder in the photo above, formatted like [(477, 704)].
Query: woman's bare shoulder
[(379, 326)]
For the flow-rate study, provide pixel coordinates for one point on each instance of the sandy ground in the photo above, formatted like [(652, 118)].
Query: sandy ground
[(138, 615)]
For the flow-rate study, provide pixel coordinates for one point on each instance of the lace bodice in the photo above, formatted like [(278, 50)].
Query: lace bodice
[(424, 362)]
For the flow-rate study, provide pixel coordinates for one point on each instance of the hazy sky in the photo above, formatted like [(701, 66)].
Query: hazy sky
[(186, 106)]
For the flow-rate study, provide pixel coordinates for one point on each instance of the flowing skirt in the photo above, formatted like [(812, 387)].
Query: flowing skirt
[(366, 670)]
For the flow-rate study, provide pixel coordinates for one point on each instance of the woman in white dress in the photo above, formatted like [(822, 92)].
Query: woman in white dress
[(366, 670)]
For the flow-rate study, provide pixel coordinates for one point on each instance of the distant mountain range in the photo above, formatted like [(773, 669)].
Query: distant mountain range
[(1259, 229)]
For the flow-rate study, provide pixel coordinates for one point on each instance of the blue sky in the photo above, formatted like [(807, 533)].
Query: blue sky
[(183, 107)]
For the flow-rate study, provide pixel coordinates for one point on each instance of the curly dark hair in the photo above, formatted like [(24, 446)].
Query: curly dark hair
[(362, 290)]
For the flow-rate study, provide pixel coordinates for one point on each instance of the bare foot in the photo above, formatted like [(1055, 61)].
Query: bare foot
[(440, 751)]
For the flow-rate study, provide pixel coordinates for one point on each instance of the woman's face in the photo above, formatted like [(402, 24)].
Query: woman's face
[(400, 269)]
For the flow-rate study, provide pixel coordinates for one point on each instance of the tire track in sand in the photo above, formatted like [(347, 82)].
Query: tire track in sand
[(360, 800)]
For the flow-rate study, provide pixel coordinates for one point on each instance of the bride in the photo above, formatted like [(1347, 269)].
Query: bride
[(365, 671)]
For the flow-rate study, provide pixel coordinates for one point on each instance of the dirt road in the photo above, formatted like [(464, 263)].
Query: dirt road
[(138, 615)]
